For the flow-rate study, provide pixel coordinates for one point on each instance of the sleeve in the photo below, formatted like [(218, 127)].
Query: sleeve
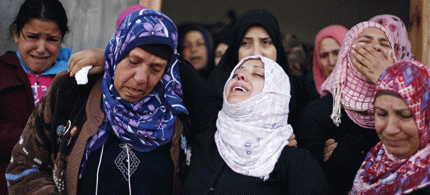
[(301, 173), (31, 165), (201, 100), (314, 127)]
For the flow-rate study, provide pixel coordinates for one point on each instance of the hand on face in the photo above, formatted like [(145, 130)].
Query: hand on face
[(247, 81), (371, 53)]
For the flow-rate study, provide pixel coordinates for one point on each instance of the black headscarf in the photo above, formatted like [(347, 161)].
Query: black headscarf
[(259, 17), (256, 17)]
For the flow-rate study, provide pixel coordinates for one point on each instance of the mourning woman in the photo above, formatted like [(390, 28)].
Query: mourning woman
[(121, 132), (399, 163)]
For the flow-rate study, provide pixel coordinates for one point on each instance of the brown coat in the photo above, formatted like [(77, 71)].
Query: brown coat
[(50, 164)]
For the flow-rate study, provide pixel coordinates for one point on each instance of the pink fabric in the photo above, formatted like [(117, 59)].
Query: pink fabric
[(39, 85), (351, 89), (381, 172), (397, 29), (337, 32), (127, 11)]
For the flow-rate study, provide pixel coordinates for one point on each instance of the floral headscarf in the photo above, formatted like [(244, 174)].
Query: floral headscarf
[(397, 29), (350, 89), (337, 32), (148, 123), (251, 134), (381, 172)]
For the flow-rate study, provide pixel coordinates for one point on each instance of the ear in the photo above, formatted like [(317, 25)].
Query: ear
[(15, 34)]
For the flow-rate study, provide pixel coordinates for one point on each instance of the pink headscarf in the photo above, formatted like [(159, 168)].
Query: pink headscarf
[(381, 172), (337, 32), (397, 30), (127, 11), (350, 89)]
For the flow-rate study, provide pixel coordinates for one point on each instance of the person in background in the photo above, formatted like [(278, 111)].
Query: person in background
[(121, 132), (196, 46), (257, 33), (244, 148), (327, 46), (344, 113), (38, 29), (399, 163)]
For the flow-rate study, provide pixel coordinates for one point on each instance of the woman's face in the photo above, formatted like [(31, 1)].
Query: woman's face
[(374, 37), (395, 125), (195, 50), (247, 81), (219, 51), (257, 41), (328, 51), (137, 74), (39, 44)]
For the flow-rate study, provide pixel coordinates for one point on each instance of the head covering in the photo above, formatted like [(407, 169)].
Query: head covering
[(208, 43), (251, 134), (397, 29), (350, 89), (337, 32), (381, 172), (255, 17), (127, 11), (148, 123)]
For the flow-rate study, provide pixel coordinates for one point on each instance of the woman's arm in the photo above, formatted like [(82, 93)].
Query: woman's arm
[(31, 166)]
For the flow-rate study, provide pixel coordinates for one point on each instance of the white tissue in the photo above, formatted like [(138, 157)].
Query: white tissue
[(82, 75)]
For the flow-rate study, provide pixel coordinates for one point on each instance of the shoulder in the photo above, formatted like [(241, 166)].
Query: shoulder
[(9, 59)]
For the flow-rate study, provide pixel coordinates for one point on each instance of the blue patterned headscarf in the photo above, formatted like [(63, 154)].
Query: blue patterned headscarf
[(148, 123)]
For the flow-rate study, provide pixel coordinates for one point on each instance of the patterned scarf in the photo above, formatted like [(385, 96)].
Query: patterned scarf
[(397, 30), (381, 172), (351, 89), (337, 32), (148, 123), (251, 134)]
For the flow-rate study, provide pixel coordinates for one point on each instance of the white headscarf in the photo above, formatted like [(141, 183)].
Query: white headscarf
[(251, 134)]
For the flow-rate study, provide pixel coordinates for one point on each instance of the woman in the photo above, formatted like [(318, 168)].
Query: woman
[(398, 164), (399, 32), (196, 46), (38, 29), (121, 131), (245, 151), (327, 45), (345, 112), (257, 33)]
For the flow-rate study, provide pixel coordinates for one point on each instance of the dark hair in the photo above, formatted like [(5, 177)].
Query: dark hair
[(48, 10)]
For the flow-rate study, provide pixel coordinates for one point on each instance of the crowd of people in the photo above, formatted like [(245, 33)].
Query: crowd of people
[(168, 110)]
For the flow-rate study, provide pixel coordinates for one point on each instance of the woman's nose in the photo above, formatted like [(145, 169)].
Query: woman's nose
[(242, 76), (41, 46), (140, 74)]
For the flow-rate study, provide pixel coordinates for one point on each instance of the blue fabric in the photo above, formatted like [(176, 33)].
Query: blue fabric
[(59, 65), (148, 123)]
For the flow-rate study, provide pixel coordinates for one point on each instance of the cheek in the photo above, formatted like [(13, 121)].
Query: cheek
[(271, 52)]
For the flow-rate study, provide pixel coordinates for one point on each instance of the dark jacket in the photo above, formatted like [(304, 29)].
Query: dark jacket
[(315, 126), (48, 163), (296, 172), (16, 105)]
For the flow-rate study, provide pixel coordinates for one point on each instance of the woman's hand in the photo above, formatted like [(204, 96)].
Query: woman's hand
[(330, 145), (370, 62), (292, 141), (93, 57)]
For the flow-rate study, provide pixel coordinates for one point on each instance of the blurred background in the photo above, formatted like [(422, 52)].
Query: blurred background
[(92, 22)]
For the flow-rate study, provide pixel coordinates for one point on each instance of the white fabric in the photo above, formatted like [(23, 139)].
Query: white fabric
[(251, 134), (82, 75)]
